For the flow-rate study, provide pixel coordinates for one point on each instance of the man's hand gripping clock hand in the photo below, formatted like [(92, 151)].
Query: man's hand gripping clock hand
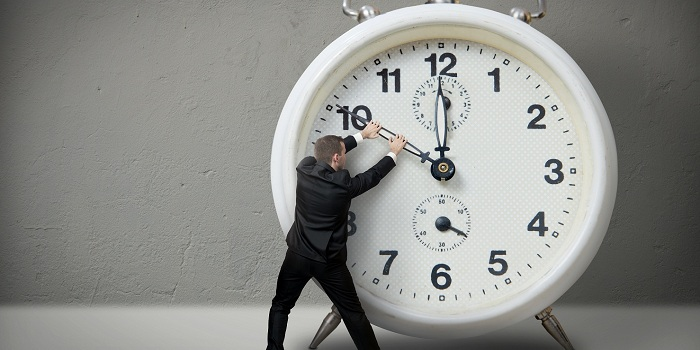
[(371, 130), (397, 143)]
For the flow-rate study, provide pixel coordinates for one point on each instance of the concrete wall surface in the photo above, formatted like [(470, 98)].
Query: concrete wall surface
[(135, 139)]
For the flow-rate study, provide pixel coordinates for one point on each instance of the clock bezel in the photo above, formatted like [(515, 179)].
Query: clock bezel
[(501, 32)]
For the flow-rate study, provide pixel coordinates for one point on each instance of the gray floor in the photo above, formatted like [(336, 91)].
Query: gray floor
[(588, 327)]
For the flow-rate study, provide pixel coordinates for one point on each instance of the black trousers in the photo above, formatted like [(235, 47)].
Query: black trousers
[(336, 281)]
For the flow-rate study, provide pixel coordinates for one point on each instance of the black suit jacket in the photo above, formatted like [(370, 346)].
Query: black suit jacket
[(320, 228)]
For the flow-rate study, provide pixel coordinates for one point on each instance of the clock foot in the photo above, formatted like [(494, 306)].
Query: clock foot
[(327, 327), (553, 327)]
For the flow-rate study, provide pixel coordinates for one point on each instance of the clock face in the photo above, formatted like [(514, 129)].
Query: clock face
[(509, 213), (513, 200)]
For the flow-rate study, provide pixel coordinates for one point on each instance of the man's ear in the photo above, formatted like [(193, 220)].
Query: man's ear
[(336, 157)]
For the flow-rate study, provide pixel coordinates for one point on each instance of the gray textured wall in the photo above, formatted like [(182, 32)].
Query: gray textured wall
[(135, 141)]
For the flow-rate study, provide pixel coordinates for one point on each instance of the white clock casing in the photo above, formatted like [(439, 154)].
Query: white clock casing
[(597, 160)]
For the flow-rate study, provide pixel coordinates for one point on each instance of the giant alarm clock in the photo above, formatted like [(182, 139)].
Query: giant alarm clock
[(507, 191)]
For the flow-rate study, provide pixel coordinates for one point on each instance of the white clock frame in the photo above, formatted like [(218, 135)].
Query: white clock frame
[(502, 32)]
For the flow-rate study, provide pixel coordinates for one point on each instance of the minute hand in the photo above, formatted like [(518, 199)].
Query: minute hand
[(415, 150), (441, 120)]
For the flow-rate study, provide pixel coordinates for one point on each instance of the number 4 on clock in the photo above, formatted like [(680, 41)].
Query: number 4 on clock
[(537, 224)]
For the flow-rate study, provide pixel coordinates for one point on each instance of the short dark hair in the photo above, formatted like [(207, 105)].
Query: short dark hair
[(326, 147)]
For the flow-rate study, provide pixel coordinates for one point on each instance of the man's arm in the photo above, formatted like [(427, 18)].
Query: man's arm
[(363, 182)]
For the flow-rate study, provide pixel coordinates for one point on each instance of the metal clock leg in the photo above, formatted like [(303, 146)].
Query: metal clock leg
[(553, 327), (327, 327)]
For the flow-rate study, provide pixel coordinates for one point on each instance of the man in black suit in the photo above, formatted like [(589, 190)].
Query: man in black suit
[(317, 238)]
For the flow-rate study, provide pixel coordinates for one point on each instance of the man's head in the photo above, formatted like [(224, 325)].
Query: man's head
[(330, 149)]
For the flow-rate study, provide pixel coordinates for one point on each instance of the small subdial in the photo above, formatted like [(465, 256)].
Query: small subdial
[(457, 102), (441, 222)]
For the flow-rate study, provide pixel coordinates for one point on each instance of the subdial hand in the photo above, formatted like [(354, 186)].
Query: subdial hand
[(412, 150), (443, 224)]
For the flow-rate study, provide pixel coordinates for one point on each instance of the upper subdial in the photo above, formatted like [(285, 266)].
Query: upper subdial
[(457, 101)]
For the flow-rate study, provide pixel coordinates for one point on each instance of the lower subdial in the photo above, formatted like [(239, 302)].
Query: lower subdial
[(441, 222), (457, 102)]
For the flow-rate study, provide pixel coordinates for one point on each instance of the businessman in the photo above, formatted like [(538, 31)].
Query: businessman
[(317, 239)]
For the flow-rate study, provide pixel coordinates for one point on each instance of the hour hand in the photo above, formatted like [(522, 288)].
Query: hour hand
[(410, 148)]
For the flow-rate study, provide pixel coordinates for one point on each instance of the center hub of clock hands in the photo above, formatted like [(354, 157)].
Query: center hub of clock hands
[(442, 168)]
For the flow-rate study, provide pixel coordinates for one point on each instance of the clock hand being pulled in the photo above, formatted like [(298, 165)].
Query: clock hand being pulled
[(443, 224), (415, 150)]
